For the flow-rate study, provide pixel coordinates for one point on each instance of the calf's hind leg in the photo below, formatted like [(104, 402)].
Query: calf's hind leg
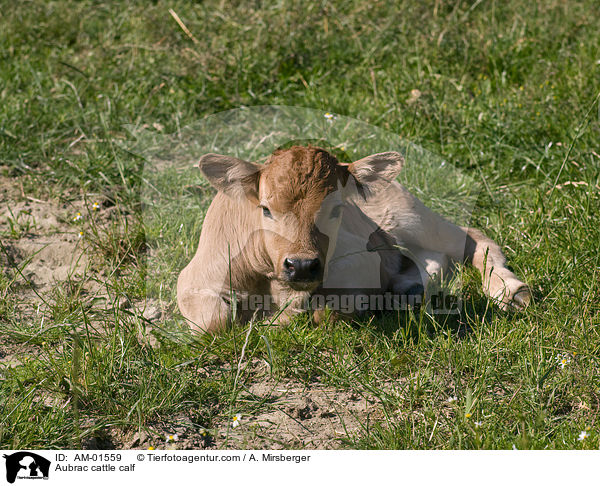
[(414, 225), (498, 281)]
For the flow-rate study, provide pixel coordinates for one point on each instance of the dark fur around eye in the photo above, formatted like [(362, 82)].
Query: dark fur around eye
[(335, 212)]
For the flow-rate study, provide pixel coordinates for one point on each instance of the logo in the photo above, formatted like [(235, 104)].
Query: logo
[(26, 465)]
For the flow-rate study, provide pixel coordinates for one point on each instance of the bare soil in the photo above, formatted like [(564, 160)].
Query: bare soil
[(291, 416)]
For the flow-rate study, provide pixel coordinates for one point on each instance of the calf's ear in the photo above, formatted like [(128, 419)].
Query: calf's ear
[(235, 177), (385, 166)]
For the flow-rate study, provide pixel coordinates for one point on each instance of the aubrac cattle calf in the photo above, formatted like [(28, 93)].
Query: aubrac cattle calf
[(304, 224)]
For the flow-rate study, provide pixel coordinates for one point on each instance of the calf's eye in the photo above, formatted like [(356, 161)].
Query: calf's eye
[(266, 212)]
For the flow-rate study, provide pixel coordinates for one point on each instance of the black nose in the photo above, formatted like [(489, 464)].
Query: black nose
[(302, 269)]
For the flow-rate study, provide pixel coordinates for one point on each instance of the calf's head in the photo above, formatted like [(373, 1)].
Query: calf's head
[(298, 198)]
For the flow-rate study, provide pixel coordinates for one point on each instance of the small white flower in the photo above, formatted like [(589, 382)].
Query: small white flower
[(563, 360), (171, 438), (452, 399), (95, 206), (80, 234), (330, 116), (583, 435), (235, 422), (478, 423), (77, 217)]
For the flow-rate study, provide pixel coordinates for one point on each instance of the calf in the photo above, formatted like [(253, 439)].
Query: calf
[(304, 224)]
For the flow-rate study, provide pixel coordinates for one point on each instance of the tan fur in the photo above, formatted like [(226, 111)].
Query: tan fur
[(241, 250)]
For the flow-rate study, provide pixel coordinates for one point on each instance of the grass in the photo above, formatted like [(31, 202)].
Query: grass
[(505, 92)]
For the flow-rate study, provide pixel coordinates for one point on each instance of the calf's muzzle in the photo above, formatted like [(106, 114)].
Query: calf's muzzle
[(303, 269)]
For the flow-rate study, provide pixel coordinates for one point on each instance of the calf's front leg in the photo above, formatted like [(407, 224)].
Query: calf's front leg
[(205, 310)]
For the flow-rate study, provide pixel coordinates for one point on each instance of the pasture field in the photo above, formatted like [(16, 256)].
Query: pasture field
[(93, 353)]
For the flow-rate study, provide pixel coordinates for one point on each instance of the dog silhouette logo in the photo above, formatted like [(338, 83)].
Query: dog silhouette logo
[(27, 465)]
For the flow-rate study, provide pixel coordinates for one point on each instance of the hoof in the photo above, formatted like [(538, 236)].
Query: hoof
[(521, 298)]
